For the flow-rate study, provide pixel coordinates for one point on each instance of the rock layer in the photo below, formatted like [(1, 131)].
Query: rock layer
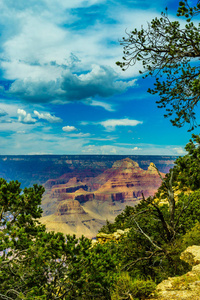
[(126, 181), (69, 207), (102, 197)]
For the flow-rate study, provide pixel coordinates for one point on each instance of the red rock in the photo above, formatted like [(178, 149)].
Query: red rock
[(123, 184), (126, 181), (82, 206)]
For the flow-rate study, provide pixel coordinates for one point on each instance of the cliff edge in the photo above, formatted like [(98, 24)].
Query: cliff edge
[(187, 286)]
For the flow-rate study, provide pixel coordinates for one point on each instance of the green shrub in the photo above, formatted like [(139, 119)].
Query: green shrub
[(128, 288), (192, 237)]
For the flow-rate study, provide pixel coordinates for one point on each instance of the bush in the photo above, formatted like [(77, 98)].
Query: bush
[(192, 237), (128, 288)]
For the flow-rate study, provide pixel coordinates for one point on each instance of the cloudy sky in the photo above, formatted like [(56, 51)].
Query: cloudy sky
[(60, 89)]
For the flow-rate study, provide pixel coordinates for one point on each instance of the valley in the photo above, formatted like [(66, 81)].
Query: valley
[(81, 205)]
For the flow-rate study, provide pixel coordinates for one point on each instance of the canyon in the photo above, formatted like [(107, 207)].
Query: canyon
[(83, 191), (81, 204), (58, 169)]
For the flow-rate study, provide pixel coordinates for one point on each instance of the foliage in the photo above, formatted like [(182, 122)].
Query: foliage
[(146, 251), (128, 288), (121, 221), (187, 11), (35, 264), (185, 171), (191, 216), (188, 165), (167, 50), (157, 235), (192, 236)]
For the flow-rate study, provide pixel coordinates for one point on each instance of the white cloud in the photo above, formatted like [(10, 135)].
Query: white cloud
[(144, 149), (180, 150), (25, 117), (108, 138), (48, 117), (24, 140), (100, 81), (136, 149), (37, 39), (84, 123), (69, 128), (39, 142), (36, 51), (79, 135), (12, 126), (10, 109), (106, 106), (111, 124), (33, 35), (105, 149)]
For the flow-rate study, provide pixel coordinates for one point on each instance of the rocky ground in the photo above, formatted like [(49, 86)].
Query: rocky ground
[(187, 286)]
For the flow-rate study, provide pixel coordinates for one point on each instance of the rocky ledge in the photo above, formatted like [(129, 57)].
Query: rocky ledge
[(187, 286)]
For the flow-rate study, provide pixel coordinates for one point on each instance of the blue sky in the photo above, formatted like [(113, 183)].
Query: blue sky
[(60, 90)]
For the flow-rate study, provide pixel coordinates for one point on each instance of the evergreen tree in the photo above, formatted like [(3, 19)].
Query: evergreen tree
[(36, 264), (169, 52)]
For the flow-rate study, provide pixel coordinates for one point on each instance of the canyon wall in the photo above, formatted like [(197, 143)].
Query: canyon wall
[(95, 199)]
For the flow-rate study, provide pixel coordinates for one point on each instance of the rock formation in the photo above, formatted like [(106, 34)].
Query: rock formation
[(99, 198), (68, 207), (187, 286), (83, 196), (126, 181)]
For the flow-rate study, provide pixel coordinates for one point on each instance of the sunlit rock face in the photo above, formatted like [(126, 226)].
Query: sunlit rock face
[(101, 197), (126, 181), (187, 286), (67, 207)]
